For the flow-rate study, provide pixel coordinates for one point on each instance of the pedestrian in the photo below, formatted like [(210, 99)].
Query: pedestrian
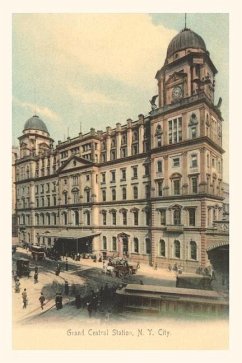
[(28, 272), (58, 269), (42, 300), (66, 288), (35, 277), (67, 267), (25, 299), (17, 285), (78, 301), (138, 265), (156, 266), (36, 269), (89, 309), (58, 301)]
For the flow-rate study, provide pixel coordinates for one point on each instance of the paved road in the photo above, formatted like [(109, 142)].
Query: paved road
[(83, 277)]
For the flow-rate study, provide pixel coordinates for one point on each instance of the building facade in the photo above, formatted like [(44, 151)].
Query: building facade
[(150, 189)]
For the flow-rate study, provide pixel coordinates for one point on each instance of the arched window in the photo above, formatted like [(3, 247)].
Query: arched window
[(162, 248), (54, 218), (88, 218), (177, 217), (136, 245), (124, 193), (65, 218), (135, 191), (48, 219), (193, 250), (136, 217), (104, 242), (42, 219), (104, 218), (104, 195), (114, 244), (147, 246), (65, 197), (113, 194), (124, 217), (114, 218), (76, 217), (75, 196), (87, 195), (177, 249)]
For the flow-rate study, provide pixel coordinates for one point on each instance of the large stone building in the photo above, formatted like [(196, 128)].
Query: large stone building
[(150, 189)]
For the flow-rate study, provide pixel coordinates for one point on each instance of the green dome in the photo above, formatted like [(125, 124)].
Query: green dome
[(35, 123), (185, 39)]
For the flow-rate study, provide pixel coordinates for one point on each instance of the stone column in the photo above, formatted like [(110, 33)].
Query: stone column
[(118, 140), (202, 122), (184, 173), (166, 176), (203, 182), (141, 134), (129, 136), (108, 145)]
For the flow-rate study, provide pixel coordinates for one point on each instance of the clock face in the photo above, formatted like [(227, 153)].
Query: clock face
[(177, 92)]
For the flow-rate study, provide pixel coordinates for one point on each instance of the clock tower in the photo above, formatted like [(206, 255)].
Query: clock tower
[(187, 71)]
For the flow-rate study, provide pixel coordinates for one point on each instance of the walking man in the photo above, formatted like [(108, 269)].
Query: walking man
[(24, 296), (35, 277), (42, 300), (67, 267)]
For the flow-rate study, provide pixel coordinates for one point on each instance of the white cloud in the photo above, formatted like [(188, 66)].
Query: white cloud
[(90, 97), (126, 47), (39, 110)]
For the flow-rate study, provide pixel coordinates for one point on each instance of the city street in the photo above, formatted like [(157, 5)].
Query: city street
[(84, 277)]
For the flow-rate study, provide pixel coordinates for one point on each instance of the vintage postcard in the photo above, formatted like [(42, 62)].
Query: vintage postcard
[(120, 181)]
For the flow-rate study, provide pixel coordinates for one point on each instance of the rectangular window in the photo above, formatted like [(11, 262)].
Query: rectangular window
[(159, 166), (160, 188), (176, 162), (135, 172), (194, 185), (192, 217), (123, 174), (163, 217), (113, 176), (176, 184), (194, 161), (103, 177), (175, 130)]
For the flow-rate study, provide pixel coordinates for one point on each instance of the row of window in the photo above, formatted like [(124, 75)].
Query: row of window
[(52, 200), (162, 247), (176, 217)]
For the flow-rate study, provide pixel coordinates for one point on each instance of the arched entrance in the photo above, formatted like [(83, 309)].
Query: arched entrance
[(123, 245)]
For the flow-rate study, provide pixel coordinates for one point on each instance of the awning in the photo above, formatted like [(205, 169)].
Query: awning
[(69, 234)]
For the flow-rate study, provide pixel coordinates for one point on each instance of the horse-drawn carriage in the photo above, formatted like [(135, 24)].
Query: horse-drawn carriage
[(120, 267)]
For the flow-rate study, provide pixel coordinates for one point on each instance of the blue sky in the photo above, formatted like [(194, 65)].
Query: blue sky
[(99, 69)]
